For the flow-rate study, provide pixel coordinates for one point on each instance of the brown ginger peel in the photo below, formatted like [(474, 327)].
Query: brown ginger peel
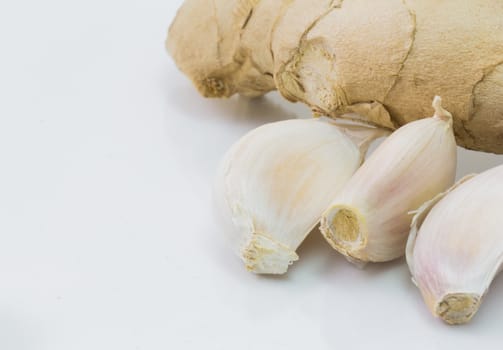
[(338, 55)]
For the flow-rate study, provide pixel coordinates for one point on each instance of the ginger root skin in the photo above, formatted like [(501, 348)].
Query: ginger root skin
[(379, 61)]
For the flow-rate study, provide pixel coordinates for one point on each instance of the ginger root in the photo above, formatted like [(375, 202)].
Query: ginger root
[(380, 61)]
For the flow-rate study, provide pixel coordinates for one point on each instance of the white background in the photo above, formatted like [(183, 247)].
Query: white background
[(106, 235)]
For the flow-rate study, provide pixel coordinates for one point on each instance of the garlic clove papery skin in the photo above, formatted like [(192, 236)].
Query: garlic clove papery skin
[(368, 220), (456, 246), (274, 183)]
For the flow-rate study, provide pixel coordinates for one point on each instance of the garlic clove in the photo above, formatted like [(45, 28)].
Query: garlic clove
[(368, 220), (275, 182), (456, 246)]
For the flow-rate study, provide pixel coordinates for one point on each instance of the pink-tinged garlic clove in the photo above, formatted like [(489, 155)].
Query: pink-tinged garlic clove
[(455, 248), (368, 220)]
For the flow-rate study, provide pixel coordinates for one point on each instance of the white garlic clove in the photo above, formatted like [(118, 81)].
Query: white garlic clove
[(275, 182), (455, 248), (368, 220)]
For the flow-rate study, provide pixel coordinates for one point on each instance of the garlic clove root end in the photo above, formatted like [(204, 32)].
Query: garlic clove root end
[(457, 308), (263, 254), (345, 230)]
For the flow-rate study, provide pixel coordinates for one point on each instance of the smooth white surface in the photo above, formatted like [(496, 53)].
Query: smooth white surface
[(106, 235)]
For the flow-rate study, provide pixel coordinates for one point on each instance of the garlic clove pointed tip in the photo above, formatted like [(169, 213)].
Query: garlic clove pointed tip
[(437, 102), (441, 112)]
